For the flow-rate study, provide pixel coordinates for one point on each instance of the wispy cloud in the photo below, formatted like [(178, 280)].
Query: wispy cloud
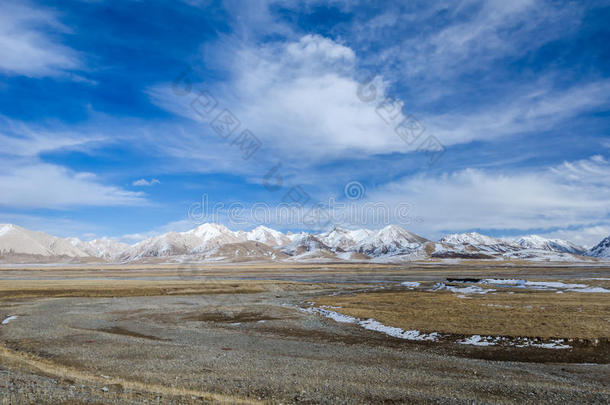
[(532, 108), (567, 195), (29, 44), (28, 182), (39, 185)]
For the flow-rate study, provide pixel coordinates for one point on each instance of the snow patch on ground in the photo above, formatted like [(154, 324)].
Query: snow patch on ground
[(371, 324), (10, 318), (544, 285), (478, 340), (335, 316), (410, 284), (474, 340), (471, 289)]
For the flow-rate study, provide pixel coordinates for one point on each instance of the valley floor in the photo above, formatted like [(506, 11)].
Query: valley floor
[(307, 333)]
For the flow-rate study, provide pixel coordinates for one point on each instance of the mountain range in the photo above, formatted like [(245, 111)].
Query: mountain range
[(215, 242)]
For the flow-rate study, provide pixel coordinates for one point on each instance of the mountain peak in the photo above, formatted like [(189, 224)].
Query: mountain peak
[(209, 230), (4, 228), (602, 249), (553, 245)]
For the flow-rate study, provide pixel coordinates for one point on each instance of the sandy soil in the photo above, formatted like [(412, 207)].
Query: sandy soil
[(235, 334)]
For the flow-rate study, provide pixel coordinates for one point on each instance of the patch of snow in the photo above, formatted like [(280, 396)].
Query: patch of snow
[(471, 289), (411, 284), (10, 318), (520, 342), (544, 285), (553, 344), (5, 228), (476, 340), (589, 290), (335, 316), (372, 324)]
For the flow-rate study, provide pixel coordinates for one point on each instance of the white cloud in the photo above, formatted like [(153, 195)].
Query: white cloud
[(564, 196), (26, 48), (40, 185), (145, 183), (19, 139), (537, 108), (471, 36), (27, 182), (303, 90)]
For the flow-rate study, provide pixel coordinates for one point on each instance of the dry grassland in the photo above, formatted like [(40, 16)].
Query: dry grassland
[(525, 313), (136, 288)]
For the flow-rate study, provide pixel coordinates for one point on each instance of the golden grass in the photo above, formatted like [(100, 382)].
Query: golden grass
[(523, 313)]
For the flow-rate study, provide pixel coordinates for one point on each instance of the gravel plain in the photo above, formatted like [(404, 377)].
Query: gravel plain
[(255, 346)]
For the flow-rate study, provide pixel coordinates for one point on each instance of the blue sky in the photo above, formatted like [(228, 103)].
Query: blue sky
[(108, 114)]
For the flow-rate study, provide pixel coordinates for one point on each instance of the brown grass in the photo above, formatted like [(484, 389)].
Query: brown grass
[(126, 288), (523, 313)]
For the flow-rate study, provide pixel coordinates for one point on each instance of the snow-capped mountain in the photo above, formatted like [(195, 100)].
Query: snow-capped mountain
[(552, 245), (217, 242), (480, 242), (391, 240), (602, 249), (245, 251), (196, 241), (264, 235), (305, 244), (344, 239), (20, 241), (105, 248)]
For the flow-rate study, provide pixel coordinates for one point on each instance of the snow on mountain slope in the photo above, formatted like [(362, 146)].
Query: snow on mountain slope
[(245, 251), (345, 239), (17, 240), (217, 242), (303, 244), (391, 240), (455, 251), (552, 245), (177, 244), (210, 234), (264, 235), (480, 242), (104, 248), (602, 249), (202, 239), (14, 239)]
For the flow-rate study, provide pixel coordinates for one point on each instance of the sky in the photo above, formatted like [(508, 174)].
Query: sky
[(127, 119)]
